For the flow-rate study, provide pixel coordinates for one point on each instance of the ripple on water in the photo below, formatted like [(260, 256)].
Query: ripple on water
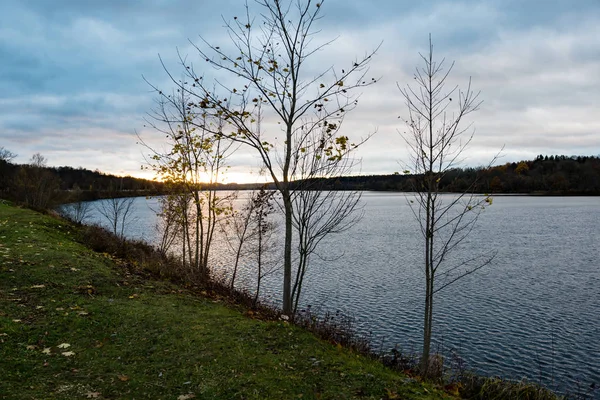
[(532, 313)]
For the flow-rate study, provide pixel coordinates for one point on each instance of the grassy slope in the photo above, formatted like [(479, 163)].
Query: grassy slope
[(133, 338)]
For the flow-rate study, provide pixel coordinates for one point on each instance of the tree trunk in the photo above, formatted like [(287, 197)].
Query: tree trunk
[(287, 257), (259, 261), (299, 280), (199, 235), (427, 327), (427, 314), (235, 265)]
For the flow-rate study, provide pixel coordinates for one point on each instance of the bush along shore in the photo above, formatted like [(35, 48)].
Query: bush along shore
[(86, 315)]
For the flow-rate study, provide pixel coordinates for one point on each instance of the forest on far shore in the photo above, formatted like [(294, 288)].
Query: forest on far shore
[(39, 186), (546, 175)]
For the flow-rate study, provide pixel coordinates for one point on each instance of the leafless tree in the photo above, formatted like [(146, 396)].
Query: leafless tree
[(118, 212), (271, 64), (6, 155), (77, 212), (437, 140), (249, 232), (237, 231), (318, 211), (263, 229)]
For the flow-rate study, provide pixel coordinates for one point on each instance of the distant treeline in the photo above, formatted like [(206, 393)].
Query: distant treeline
[(39, 186), (549, 175)]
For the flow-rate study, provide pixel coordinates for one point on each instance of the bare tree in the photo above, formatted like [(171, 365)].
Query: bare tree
[(238, 231), (6, 155), (263, 230), (249, 233), (77, 212), (319, 211), (38, 160), (117, 211), (437, 140), (270, 61)]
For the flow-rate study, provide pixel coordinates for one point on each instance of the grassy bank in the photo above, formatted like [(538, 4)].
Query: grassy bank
[(76, 324)]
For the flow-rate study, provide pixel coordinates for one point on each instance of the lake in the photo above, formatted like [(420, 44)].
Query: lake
[(534, 312)]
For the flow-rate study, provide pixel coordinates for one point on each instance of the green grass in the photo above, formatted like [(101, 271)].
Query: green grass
[(76, 324)]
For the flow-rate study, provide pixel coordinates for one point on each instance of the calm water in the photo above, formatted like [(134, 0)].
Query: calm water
[(535, 312)]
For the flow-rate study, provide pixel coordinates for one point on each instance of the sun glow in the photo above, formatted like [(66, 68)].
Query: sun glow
[(240, 177)]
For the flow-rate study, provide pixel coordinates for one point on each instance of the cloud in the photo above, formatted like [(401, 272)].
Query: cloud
[(72, 84)]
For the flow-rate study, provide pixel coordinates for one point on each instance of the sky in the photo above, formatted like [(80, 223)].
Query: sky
[(74, 74)]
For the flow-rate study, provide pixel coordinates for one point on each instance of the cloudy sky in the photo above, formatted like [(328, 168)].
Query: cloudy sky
[(72, 87)]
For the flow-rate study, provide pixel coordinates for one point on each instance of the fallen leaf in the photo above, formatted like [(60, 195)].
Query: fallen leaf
[(93, 395), (123, 378), (31, 347), (46, 350), (16, 320), (68, 353), (64, 346), (38, 286), (186, 396)]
